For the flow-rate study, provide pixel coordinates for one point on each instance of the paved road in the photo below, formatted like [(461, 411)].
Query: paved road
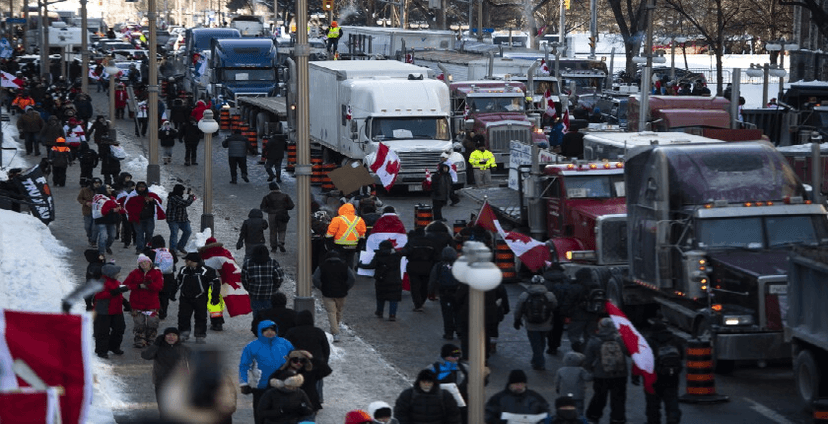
[(413, 342)]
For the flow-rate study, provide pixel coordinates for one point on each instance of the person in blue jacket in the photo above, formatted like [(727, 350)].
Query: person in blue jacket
[(269, 352)]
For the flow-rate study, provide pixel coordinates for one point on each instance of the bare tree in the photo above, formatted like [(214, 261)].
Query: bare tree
[(819, 16), (631, 17)]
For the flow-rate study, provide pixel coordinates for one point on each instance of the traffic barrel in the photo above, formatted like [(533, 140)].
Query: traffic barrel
[(252, 139), (317, 174), (459, 224), (327, 184), (423, 215), (820, 407), (224, 119), (505, 260), (701, 382), (235, 122), (262, 159), (291, 157)]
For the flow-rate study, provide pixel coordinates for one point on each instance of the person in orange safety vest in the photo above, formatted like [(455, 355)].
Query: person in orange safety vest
[(346, 230)]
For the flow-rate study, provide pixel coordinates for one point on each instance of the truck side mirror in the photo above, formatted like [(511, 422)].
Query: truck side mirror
[(468, 124)]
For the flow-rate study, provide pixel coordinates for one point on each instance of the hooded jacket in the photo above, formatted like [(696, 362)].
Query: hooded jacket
[(145, 299), (165, 358), (30, 122), (313, 371), (346, 228), (387, 275), (571, 378), (524, 297), (252, 230), (306, 336), (135, 203), (51, 131), (269, 354), (593, 353), (436, 285), (283, 405), (198, 110), (414, 406), (333, 277), (375, 406)]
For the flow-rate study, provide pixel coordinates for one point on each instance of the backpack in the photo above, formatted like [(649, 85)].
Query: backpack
[(537, 308), (445, 278), (668, 360), (164, 260), (596, 301), (612, 357)]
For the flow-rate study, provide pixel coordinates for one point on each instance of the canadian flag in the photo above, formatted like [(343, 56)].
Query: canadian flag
[(466, 111), (45, 367), (544, 68), (550, 105), (233, 293), (386, 166), (427, 180), (531, 252), (388, 227), (8, 80), (565, 121), (642, 354)]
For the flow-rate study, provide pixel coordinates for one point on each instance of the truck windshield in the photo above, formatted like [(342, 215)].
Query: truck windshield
[(249, 74), (496, 104), (594, 186), (761, 232), (408, 128)]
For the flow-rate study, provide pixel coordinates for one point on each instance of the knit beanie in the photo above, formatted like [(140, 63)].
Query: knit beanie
[(143, 258), (517, 376), (171, 330), (357, 416), (449, 349)]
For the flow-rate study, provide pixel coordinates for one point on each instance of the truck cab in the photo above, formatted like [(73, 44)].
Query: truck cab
[(242, 67), (586, 212), (197, 54), (497, 111)]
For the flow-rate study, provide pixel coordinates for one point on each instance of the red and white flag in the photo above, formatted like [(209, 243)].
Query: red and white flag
[(386, 166), (452, 169), (427, 180), (565, 120), (466, 111), (642, 354), (531, 252), (550, 105), (57, 349), (544, 67), (8, 80), (233, 293), (388, 227)]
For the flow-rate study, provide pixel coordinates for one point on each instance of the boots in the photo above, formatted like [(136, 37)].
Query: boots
[(185, 335)]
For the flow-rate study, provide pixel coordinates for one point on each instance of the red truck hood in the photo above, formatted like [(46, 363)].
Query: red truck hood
[(485, 118), (599, 207)]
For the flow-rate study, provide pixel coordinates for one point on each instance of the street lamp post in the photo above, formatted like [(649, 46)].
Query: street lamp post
[(476, 269), (757, 70), (153, 168), (84, 49), (208, 126)]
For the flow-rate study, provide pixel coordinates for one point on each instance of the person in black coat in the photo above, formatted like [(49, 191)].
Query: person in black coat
[(165, 353), (284, 317), (285, 404), (422, 253), (426, 403), (192, 136), (440, 236), (515, 398), (274, 152), (252, 232), (387, 278), (668, 374), (305, 336), (441, 190), (180, 116), (496, 306), (166, 138), (312, 371)]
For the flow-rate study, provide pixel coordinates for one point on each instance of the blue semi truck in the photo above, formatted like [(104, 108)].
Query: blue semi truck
[(242, 67)]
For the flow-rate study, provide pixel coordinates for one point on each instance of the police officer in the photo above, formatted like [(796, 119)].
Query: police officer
[(482, 162)]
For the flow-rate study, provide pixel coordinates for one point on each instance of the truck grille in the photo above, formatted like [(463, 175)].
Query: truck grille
[(499, 137), (414, 164), (611, 236)]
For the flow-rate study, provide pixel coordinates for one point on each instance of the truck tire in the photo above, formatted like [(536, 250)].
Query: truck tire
[(808, 377)]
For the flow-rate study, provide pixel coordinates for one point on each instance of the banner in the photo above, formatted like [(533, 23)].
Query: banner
[(34, 186)]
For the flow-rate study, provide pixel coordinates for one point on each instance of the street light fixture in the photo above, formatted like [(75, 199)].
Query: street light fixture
[(476, 269), (208, 126)]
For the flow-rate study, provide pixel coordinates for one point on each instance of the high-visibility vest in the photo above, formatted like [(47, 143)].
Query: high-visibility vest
[(349, 237), (215, 311), (333, 32)]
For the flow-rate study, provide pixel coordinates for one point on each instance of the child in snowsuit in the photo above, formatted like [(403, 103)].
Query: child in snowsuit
[(571, 379)]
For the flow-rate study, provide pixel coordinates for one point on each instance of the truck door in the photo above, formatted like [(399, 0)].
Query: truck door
[(554, 207)]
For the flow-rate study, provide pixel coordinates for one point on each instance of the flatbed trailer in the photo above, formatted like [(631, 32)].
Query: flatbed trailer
[(262, 112)]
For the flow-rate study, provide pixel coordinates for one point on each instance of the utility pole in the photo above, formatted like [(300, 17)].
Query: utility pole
[(153, 168), (593, 27), (303, 170), (562, 28), (647, 72), (84, 49), (480, 21)]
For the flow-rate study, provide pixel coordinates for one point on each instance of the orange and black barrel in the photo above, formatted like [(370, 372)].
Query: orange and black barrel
[(423, 215), (820, 407), (699, 374), (224, 119), (291, 155), (505, 260)]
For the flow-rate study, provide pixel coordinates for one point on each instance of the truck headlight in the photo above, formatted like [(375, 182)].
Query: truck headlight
[(737, 319)]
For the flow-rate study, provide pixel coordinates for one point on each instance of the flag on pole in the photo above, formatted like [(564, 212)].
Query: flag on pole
[(8, 80), (642, 354), (531, 252), (57, 349), (233, 293), (545, 69), (386, 166), (550, 105), (565, 121)]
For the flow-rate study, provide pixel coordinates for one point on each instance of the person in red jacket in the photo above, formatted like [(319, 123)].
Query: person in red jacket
[(121, 97), (143, 207), (145, 282), (109, 325), (198, 110)]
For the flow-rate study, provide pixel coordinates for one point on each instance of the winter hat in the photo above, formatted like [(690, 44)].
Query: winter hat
[(449, 349), (562, 401), (192, 256), (143, 258), (110, 270), (517, 376), (358, 416), (426, 375), (379, 409), (274, 185), (389, 209), (386, 245), (171, 330), (178, 190)]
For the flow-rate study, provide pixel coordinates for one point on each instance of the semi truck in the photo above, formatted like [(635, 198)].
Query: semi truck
[(356, 105), (197, 55), (242, 67), (805, 320), (497, 111)]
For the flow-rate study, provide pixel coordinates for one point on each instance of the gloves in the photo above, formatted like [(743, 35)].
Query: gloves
[(517, 325), (635, 380), (245, 389), (214, 300), (239, 245)]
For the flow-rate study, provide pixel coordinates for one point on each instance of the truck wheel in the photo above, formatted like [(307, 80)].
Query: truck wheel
[(807, 376)]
